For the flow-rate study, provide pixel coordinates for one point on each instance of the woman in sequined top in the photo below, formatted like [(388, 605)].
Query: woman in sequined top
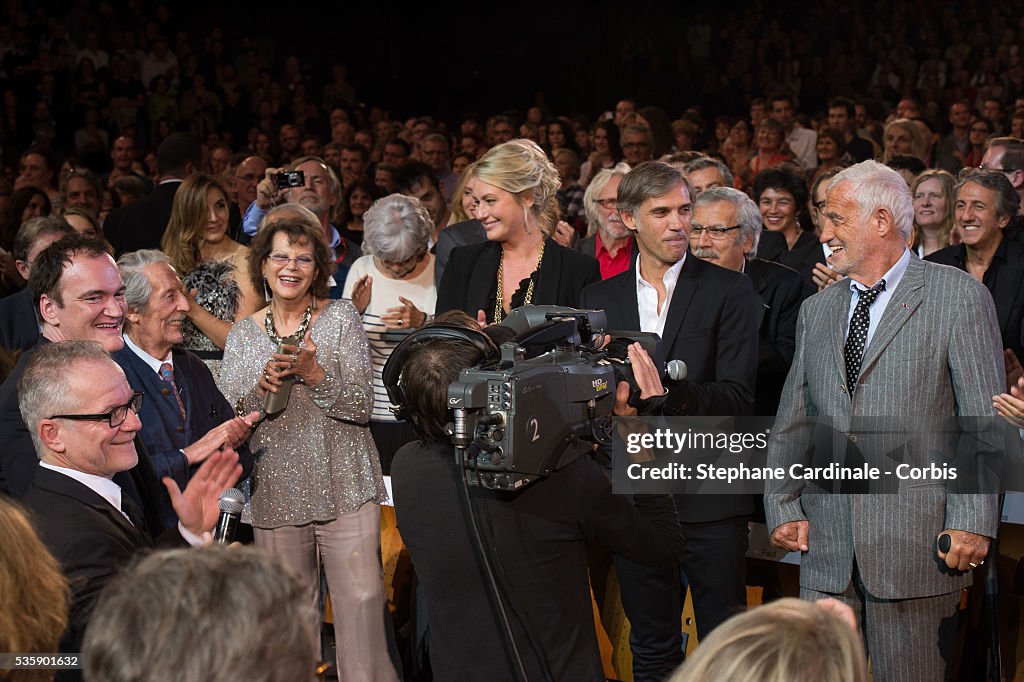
[(213, 266), (317, 484)]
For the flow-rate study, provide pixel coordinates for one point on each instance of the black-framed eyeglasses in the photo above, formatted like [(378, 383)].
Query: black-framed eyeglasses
[(608, 204), (716, 233), (115, 417)]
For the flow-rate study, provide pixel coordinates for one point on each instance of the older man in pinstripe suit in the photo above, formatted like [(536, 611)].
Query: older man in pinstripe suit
[(902, 340)]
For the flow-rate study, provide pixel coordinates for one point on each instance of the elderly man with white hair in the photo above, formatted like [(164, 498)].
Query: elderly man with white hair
[(902, 347), (608, 239)]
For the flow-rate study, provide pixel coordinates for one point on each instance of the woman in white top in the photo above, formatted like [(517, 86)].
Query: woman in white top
[(392, 287)]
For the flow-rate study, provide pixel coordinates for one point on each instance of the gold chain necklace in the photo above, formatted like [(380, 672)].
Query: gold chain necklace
[(498, 309)]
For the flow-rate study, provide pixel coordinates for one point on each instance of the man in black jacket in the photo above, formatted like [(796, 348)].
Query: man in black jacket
[(725, 231), (141, 225), (706, 317), (986, 203), (83, 420)]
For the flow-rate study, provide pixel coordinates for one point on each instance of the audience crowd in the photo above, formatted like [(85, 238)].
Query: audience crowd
[(237, 231)]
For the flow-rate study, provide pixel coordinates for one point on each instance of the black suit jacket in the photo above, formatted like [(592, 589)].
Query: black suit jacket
[(803, 258), (778, 291), (469, 280), (19, 329), (164, 432), (18, 459), (711, 326), (455, 235), (1004, 280), (141, 225), (90, 539)]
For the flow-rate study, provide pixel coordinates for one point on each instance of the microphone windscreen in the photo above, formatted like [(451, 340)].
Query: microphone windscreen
[(231, 501)]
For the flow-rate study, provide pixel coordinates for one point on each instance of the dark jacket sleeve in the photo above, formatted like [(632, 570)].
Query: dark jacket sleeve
[(647, 533), (732, 392), (451, 293)]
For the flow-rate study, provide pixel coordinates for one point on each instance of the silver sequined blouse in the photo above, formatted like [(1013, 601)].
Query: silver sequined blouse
[(315, 460)]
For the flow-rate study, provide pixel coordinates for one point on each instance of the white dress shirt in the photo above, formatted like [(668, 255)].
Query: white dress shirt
[(652, 319)]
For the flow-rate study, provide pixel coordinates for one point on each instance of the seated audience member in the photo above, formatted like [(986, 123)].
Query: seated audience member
[(570, 193), (141, 225), (84, 417), (418, 180), (903, 137), (1006, 154), (129, 189), (19, 327), (320, 194), (33, 592), (537, 534), (809, 259), (781, 194), (985, 204), (608, 240), (142, 627), (81, 189), (785, 641), (907, 165), (707, 173), (83, 222), (19, 207), (185, 418)]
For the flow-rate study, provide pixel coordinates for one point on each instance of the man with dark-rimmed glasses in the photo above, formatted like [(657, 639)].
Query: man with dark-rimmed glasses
[(83, 419)]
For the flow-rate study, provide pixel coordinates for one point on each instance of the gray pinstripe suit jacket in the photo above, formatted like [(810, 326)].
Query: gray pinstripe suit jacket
[(936, 353)]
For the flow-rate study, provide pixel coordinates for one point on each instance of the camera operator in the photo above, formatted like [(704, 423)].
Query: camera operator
[(537, 537)]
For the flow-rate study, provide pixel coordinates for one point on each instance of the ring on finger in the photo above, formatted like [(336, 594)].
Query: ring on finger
[(972, 564)]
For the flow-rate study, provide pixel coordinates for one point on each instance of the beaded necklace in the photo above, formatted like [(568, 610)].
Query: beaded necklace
[(300, 332)]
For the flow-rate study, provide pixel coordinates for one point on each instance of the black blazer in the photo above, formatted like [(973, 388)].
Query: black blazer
[(18, 459), (711, 326), (19, 329), (1005, 281), (451, 237), (803, 258), (141, 225), (470, 276), (90, 539), (778, 291)]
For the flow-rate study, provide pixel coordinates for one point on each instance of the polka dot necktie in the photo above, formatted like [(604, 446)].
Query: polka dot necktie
[(858, 334)]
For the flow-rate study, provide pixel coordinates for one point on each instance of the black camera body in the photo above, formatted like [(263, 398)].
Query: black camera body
[(545, 402), (290, 178)]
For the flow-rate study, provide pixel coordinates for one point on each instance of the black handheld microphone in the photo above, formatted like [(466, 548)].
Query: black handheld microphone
[(945, 542), (231, 502)]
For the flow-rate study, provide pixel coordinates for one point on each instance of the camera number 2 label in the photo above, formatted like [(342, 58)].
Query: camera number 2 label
[(533, 429)]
